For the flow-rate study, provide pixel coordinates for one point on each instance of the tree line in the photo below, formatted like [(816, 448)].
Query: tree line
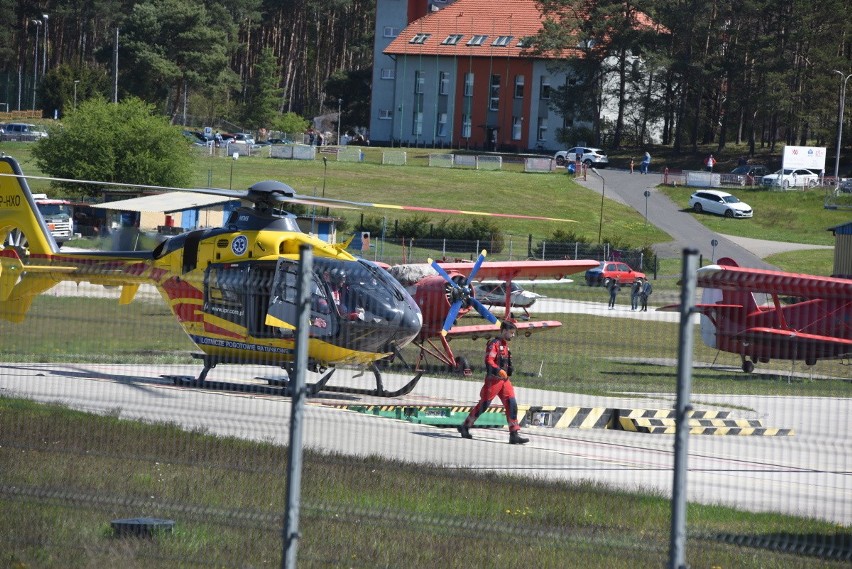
[(247, 61), (760, 72)]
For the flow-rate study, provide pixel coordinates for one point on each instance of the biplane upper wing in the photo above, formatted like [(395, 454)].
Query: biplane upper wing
[(773, 282), (487, 330), (510, 270)]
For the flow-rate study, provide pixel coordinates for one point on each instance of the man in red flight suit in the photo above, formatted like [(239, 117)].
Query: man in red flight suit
[(498, 365)]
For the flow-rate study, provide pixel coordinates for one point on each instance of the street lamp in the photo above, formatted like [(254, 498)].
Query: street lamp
[(339, 103), (37, 24), (603, 193), (44, 51), (845, 78), (75, 93)]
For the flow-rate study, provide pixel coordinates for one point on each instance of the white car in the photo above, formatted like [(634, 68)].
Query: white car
[(720, 203), (791, 178), (586, 155)]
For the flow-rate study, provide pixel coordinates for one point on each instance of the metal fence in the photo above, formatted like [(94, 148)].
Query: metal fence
[(111, 454)]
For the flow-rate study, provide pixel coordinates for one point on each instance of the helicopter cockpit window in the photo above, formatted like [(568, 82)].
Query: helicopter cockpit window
[(283, 301), (358, 291)]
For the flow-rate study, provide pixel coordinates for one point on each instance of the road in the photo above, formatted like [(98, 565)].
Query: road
[(808, 474), (685, 230)]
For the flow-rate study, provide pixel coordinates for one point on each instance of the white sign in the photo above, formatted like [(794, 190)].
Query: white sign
[(810, 157)]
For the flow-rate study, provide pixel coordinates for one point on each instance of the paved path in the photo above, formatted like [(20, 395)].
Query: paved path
[(685, 230)]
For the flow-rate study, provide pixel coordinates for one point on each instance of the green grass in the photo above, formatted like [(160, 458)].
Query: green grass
[(66, 474)]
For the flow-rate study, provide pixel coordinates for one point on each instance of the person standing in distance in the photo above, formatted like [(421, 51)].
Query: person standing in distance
[(498, 383)]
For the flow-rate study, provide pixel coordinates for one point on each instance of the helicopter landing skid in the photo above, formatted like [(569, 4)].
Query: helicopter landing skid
[(283, 387), (379, 391)]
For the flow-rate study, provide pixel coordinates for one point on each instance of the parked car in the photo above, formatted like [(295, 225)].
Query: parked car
[(720, 203), (845, 186), (23, 131), (750, 174), (495, 294), (243, 138), (612, 270), (586, 155), (791, 178)]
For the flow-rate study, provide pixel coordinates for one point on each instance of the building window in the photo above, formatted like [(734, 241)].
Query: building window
[(466, 126), (517, 127), (545, 87), (388, 73), (391, 32), (418, 82), (419, 38), (385, 114), (443, 83), (494, 99), (468, 84), (477, 40), (441, 127), (417, 123), (542, 128), (452, 39), (502, 41), (519, 86)]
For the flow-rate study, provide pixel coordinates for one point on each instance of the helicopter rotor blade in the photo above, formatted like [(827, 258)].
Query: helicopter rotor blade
[(285, 194)]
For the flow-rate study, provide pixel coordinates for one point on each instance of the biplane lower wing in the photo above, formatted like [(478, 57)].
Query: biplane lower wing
[(826, 344)]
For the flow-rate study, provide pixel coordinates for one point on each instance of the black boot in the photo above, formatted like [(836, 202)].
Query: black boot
[(515, 438), (464, 432)]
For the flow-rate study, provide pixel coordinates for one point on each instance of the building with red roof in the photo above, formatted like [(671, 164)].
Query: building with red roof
[(459, 74), (456, 74)]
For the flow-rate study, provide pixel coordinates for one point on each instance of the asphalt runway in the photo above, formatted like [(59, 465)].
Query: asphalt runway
[(808, 474)]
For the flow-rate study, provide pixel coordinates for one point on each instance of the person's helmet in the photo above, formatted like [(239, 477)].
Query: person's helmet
[(508, 324)]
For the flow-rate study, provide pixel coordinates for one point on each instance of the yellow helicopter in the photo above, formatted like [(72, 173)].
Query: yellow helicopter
[(232, 288)]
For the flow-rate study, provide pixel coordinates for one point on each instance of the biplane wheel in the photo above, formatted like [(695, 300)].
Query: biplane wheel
[(461, 365), (748, 366)]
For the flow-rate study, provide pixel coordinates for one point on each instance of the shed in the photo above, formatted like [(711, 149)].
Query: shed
[(157, 210), (842, 250)]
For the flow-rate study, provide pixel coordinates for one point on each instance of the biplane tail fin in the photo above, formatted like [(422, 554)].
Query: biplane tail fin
[(21, 224), (744, 301)]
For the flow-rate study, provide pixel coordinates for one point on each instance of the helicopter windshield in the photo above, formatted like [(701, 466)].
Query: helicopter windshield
[(359, 290)]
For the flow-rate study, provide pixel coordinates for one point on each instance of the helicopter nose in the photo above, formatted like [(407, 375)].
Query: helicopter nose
[(409, 324)]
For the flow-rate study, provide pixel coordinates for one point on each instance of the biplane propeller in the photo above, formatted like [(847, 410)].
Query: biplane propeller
[(232, 288)]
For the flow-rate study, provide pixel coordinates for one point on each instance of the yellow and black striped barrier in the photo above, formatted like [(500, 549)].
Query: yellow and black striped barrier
[(649, 421)]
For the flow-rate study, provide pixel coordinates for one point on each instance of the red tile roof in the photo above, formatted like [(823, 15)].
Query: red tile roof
[(494, 19)]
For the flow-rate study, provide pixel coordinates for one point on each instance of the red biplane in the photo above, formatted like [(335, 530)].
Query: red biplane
[(816, 325), (444, 293)]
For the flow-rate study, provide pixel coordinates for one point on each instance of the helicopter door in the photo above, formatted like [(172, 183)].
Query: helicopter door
[(283, 308)]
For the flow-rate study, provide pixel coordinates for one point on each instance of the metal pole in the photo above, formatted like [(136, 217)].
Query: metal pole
[(35, 61), (44, 51), (339, 104), (75, 93), (115, 70), (294, 454), (603, 193), (840, 125), (677, 545)]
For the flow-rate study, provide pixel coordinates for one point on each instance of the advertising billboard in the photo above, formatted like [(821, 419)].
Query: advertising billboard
[(810, 157)]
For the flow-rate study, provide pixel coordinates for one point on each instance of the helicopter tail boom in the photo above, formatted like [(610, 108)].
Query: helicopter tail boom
[(19, 216)]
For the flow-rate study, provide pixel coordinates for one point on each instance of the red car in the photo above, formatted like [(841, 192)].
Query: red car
[(609, 270)]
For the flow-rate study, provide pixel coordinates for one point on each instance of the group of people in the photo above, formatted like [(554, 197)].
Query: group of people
[(640, 290)]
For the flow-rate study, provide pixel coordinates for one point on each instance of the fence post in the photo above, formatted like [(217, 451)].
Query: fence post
[(666, 175)]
